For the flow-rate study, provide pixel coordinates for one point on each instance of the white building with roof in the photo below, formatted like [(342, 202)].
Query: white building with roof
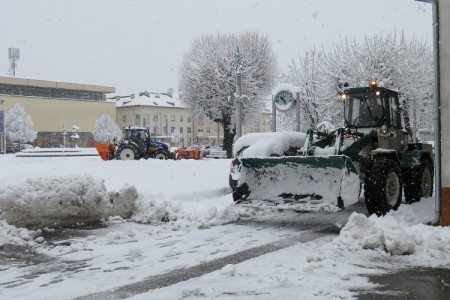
[(163, 114), (166, 115)]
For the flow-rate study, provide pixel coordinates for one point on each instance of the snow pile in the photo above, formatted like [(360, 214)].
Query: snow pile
[(63, 201), (325, 127), (397, 233), (268, 143), (177, 217), (10, 234), (385, 233)]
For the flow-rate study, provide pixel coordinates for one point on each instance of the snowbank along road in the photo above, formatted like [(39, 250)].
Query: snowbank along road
[(186, 239)]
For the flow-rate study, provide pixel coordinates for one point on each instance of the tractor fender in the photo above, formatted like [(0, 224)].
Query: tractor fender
[(390, 153), (413, 158)]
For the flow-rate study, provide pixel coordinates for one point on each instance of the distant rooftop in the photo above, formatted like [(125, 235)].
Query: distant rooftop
[(150, 99), (52, 89)]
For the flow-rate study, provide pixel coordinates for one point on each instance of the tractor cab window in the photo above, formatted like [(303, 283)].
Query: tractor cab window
[(393, 104), (363, 109), (128, 135), (140, 135), (136, 135)]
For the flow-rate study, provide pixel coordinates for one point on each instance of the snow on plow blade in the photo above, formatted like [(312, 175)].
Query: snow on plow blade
[(299, 182)]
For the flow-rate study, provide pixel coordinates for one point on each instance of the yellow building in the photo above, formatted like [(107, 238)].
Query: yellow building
[(55, 107)]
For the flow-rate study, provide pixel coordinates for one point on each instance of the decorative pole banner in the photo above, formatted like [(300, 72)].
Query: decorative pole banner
[(238, 64), (2, 123)]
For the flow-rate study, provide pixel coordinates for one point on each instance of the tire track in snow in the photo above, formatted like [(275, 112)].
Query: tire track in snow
[(183, 274)]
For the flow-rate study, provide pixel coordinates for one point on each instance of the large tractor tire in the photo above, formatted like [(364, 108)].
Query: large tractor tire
[(419, 182), (127, 153), (383, 187)]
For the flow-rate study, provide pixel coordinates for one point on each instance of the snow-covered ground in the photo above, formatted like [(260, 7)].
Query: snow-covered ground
[(184, 216)]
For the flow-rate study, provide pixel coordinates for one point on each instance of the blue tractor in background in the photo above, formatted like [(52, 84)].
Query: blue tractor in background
[(137, 144)]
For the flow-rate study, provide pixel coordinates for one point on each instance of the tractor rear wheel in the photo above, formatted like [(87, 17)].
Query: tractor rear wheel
[(383, 187), (419, 182), (127, 153)]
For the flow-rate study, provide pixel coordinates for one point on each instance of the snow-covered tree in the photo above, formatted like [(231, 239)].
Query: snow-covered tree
[(397, 64), (415, 82), (19, 126), (208, 83), (106, 130), (305, 75), (285, 121), (175, 138)]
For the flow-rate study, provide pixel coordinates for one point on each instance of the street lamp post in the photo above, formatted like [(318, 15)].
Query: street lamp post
[(238, 65), (64, 135), (2, 129)]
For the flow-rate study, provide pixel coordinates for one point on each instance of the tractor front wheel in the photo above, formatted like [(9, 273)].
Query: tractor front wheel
[(161, 155), (383, 187), (419, 182), (127, 153), (240, 193)]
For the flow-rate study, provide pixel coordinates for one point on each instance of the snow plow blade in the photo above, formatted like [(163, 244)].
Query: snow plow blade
[(306, 183)]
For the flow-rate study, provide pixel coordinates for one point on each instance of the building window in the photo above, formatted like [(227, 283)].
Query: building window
[(200, 121), (181, 118), (189, 119), (189, 130), (172, 118), (165, 124), (124, 118), (200, 130), (172, 129), (181, 129), (137, 120), (145, 121), (208, 130)]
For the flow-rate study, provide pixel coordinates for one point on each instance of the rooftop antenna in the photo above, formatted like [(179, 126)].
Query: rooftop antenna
[(14, 56)]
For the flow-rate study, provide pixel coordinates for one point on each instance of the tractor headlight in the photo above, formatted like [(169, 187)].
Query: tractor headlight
[(384, 129)]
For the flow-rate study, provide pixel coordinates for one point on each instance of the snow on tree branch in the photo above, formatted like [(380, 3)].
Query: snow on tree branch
[(397, 64), (208, 84), (106, 130), (19, 125)]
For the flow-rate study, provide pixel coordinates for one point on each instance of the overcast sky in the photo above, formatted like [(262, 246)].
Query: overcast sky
[(139, 45)]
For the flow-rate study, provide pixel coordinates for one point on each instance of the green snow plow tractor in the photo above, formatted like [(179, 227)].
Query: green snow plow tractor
[(372, 148)]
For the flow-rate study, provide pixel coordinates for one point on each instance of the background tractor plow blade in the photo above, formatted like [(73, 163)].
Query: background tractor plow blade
[(299, 180)]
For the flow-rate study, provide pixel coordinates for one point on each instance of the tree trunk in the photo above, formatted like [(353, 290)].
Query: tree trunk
[(228, 136)]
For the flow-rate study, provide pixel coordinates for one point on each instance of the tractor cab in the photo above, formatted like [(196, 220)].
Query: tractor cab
[(139, 136), (375, 108), (371, 107), (364, 109)]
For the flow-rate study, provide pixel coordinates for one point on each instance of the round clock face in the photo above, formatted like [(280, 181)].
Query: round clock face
[(283, 100)]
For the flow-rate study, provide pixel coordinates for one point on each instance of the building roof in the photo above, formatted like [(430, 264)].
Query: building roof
[(56, 85), (151, 100)]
